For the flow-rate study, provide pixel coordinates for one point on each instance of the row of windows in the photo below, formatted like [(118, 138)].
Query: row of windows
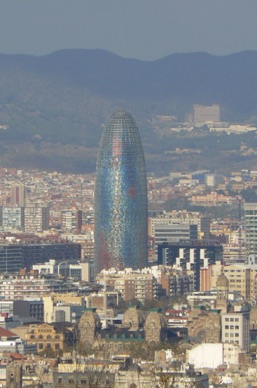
[(48, 337), (71, 381), (237, 281), (232, 319), (49, 346)]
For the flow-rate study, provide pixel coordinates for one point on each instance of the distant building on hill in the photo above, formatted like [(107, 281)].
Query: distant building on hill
[(202, 114)]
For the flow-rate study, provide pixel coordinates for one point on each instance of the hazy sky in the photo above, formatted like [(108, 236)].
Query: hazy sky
[(145, 29)]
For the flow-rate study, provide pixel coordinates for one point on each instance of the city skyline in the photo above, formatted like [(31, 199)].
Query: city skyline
[(120, 196)]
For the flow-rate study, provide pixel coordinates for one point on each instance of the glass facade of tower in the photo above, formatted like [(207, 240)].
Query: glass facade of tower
[(120, 197)]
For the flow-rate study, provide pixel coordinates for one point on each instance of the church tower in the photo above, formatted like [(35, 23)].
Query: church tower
[(222, 286)]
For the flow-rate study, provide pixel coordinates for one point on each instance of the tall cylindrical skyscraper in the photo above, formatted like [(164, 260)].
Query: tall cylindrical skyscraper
[(120, 197)]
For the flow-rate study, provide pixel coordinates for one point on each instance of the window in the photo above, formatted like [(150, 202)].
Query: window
[(237, 335), (48, 346), (226, 319), (226, 326), (59, 380), (40, 346), (57, 346), (70, 381)]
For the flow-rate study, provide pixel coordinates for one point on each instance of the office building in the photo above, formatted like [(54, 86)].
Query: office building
[(173, 233), (203, 114), (191, 256), (14, 257), (30, 308), (181, 217), (10, 258), (120, 197), (40, 253)]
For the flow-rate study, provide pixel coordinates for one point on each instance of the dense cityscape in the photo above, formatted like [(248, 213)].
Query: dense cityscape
[(128, 194), (182, 314)]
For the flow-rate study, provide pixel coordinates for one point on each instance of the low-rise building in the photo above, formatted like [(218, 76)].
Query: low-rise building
[(67, 268), (63, 308), (45, 337)]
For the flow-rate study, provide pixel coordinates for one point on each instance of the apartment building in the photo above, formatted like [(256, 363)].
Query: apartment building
[(242, 278), (71, 220), (132, 285), (14, 287), (36, 219), (190, 256), (250, 216), (12, 218), (235, 328)]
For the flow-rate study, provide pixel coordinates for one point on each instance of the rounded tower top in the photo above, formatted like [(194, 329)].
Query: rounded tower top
[(121, 120), (118, 114), (222, 282)]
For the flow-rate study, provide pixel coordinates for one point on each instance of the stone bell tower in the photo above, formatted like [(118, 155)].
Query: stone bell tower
[(222, 286), (14, 375)]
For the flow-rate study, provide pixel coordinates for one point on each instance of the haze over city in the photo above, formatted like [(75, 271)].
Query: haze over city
[(128, 193), (146, 29)]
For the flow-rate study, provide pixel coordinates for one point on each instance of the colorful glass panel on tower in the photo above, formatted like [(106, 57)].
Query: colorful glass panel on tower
[(120, 197)]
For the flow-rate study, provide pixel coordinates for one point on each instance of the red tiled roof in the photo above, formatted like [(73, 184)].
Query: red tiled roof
[(17, 356), (7, 333)]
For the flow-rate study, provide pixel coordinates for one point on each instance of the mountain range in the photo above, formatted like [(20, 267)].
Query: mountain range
[(53, 107)]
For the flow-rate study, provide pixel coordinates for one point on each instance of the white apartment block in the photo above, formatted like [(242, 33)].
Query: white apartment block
[(235, 328)]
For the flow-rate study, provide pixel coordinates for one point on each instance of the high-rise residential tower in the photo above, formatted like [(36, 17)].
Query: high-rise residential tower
[(120, 197), (18, 195), (250, 215)]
